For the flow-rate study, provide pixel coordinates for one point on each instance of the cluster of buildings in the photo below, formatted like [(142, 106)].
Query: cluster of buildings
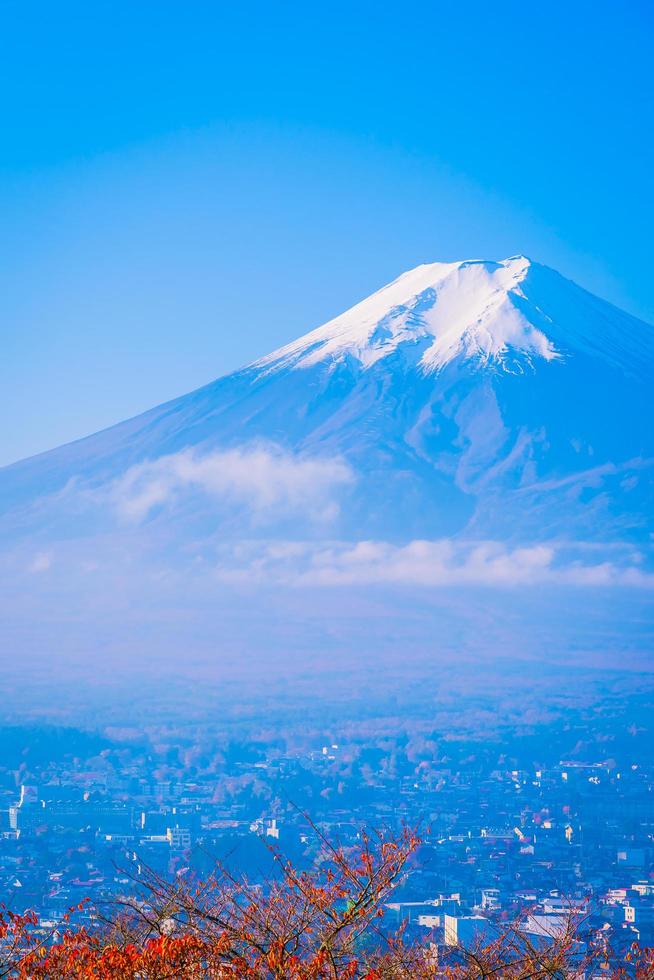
[(503, 838)]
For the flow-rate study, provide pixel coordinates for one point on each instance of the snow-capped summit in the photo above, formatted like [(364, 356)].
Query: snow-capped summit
[(508, 314), (446, 309)]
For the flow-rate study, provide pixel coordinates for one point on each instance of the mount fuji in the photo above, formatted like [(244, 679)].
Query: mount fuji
[(478, 398), (472, 424)]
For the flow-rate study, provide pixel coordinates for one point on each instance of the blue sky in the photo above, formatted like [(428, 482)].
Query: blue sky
[(185, 186)]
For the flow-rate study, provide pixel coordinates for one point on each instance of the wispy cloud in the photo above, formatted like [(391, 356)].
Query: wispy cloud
[(41, 562), (265, 478), (437, 564)]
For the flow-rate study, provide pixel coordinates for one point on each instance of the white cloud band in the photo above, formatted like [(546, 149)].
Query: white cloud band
[(266, 479), (441, 563)]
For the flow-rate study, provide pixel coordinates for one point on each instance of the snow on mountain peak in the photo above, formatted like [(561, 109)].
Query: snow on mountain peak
[(450, 309)]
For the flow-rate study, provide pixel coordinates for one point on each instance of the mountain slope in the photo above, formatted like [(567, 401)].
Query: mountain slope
[(484, 399)]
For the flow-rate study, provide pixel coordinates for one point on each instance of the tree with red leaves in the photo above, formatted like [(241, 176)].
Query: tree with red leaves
[(319, 925)]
